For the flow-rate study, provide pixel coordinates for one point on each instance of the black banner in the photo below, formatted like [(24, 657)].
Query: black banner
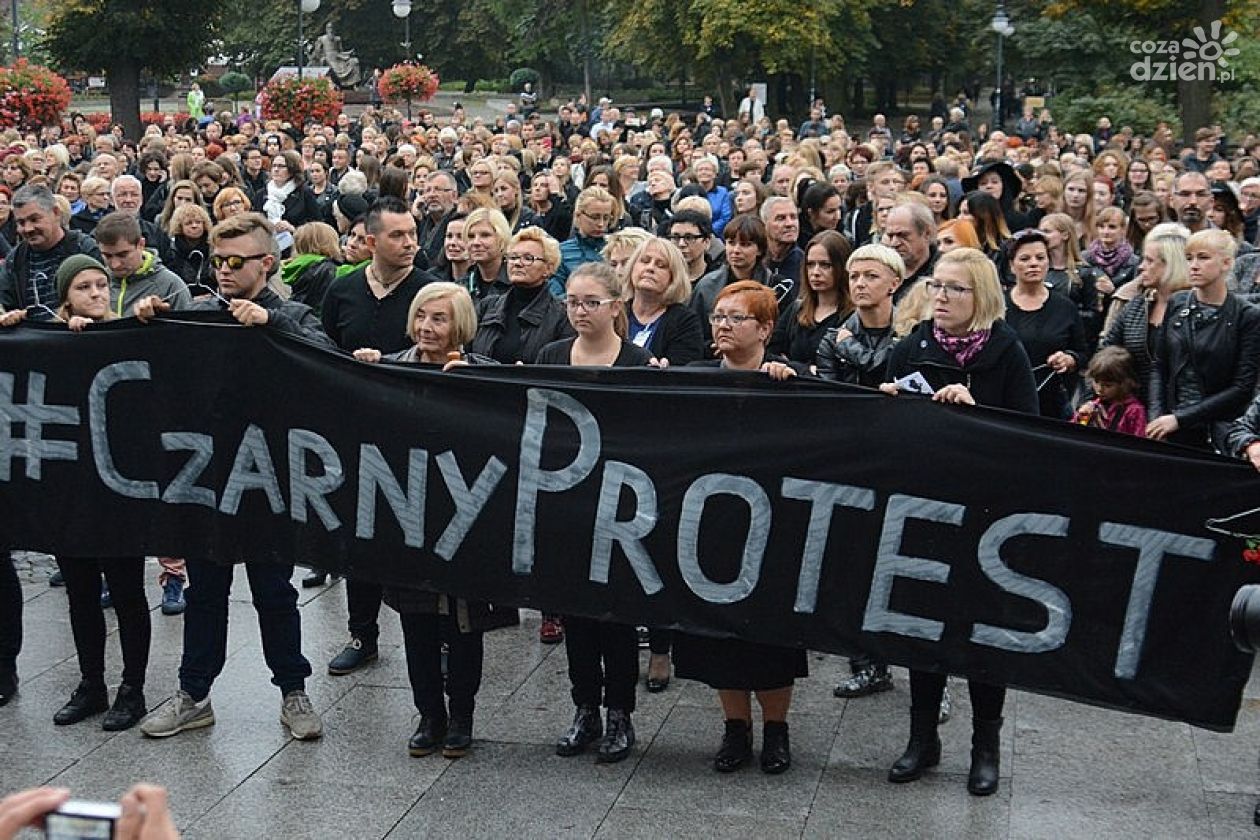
[(1063, 560)]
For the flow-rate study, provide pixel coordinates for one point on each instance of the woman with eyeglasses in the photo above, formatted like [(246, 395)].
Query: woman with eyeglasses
[(968, 355), (514, 326), (746, 247), (603, 656), (742, 319), (287, 201), (1048, 325), (229, 202)]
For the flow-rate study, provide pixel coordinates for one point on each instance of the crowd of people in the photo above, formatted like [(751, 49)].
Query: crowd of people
[(1105, 279)]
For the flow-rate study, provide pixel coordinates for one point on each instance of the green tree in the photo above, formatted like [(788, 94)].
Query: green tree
[(257, 38), (124, 37)]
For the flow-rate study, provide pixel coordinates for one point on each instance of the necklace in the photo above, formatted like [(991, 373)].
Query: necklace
[(385, 288)]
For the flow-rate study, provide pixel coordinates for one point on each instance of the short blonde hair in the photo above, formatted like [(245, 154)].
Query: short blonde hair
[(990, 305), (463, 313), (679, 288), (627, 239), (550, 247), (180, 215), (1220, 241), (495, 219), (881, 254)]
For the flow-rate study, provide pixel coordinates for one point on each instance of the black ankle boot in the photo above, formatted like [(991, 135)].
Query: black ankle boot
[(618, 738), (458, 737), (736, 749), (429, 735), (923, 750), (585, 730), (8, 683), (776, 756), (986, 753), (128, 709), (88, 699)]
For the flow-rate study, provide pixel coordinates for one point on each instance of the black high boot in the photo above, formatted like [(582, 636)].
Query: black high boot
[(923, 750), (986, 753)]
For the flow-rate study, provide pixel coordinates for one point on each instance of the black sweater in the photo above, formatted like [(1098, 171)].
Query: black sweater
[(1055, 326), (353, 317)]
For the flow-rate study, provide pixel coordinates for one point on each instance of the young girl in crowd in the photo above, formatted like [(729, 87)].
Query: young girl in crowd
[(1117, 407), (83, 292)]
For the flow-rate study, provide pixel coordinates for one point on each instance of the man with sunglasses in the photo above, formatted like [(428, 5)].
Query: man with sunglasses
[(244, 252)]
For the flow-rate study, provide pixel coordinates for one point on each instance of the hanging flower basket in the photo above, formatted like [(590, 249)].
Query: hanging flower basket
[(412, 82), (296, 100), (31, 96)]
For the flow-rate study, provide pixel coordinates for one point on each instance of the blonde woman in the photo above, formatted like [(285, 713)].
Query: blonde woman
[(620, 246), (486, 237), (313, 266), (969, 356)]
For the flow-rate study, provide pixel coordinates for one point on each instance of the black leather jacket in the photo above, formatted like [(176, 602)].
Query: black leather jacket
[(860, 359), (542, 321), (1223, 350)]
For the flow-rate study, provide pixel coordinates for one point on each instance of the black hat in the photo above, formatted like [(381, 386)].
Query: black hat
[(1222, 191), (352, 205), (1011, 184)]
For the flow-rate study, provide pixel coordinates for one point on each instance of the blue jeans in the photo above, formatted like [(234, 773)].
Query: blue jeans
[(206, 625)]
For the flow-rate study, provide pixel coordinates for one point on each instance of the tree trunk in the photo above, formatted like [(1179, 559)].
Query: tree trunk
[(1194, 96), (124, 98)]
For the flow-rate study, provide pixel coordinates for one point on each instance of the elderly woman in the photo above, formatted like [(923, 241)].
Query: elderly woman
[(1048, 324), (486, 237), (743, 317), (1207, 355), (660, 320), (603, 656), (440, 321), (968, 355), (518, 323), (822, 303)]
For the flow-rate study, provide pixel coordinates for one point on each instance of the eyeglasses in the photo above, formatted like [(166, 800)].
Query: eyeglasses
[(951, 290), (685, 238), (234, 262), (586, 305), (524, 259), (236, 202), (719, 318), (598, 219)]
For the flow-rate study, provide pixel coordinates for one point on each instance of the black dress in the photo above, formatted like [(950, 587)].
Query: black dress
[(736, 664), (1055, 326)]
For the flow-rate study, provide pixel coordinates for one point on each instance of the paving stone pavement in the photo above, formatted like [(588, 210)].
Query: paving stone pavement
[(1068, 770)]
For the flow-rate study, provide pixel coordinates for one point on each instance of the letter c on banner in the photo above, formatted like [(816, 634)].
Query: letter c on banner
[(723, 484), (105, 467)]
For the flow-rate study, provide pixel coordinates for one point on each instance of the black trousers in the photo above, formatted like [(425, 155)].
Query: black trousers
[(926, 690), (125, 576), (363, 602), (603, 662), (10, 614), (423, 634)]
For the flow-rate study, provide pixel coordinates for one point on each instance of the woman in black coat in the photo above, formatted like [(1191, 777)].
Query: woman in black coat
[(743, 317), (514, 326), (287, 201), (1048, 324), (968, 356), (660, 320)]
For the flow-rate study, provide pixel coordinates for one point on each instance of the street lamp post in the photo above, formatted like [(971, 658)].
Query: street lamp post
[(402, 9), (1000, 24), (309, 7)]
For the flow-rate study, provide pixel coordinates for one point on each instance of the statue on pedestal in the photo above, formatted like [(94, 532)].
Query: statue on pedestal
[(344, 64)]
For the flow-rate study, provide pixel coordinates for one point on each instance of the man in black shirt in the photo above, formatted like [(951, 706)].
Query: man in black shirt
[(368, 308)]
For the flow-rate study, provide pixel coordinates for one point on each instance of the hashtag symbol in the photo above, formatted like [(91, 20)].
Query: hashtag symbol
[(33, 416)]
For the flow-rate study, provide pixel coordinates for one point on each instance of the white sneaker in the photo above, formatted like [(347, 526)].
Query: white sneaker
[(300, 716), (182, 712)]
